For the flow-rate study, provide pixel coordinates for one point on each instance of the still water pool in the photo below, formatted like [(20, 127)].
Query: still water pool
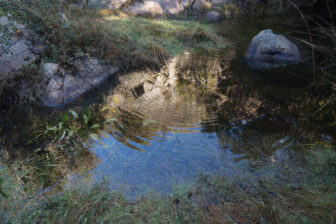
[(204, 113)]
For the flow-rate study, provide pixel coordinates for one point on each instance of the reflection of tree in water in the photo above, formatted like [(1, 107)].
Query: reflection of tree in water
[(210, 90), (129, 127), (197, 91), (254, 121), (147, 105), (243, 111)]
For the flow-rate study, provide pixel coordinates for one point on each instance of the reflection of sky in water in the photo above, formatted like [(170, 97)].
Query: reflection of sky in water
[(179, 160)]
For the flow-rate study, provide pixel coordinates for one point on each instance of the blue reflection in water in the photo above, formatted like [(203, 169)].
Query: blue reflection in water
[(177, 161)]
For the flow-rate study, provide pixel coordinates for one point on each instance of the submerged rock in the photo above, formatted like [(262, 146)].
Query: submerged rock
[(65, 85), (16, 47), (269, 50)]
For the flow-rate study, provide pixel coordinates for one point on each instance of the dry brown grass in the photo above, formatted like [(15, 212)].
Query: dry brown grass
[(21, 89), (194, 36)]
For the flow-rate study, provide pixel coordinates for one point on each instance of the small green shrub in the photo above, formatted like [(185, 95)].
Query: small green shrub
[(71, 126)]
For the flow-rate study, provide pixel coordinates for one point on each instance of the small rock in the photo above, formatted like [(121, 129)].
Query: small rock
[(244, 122)]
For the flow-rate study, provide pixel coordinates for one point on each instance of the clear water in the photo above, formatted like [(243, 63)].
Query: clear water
[(204, 113)]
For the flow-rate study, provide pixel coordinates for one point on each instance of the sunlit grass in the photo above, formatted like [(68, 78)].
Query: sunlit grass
[(124, 41), (172, 35)]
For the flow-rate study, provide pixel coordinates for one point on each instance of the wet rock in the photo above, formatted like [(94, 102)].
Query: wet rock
[(269, 50), (65, 85), (213, 16), (16, 47)]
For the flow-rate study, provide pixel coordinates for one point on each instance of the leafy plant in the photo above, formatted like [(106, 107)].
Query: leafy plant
[(72, 126)]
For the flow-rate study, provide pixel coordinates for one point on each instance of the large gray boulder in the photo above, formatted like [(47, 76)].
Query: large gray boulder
[(269, 50), (172, 6), (146, 8), (16, 47), (159, 7), (63, 85)]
